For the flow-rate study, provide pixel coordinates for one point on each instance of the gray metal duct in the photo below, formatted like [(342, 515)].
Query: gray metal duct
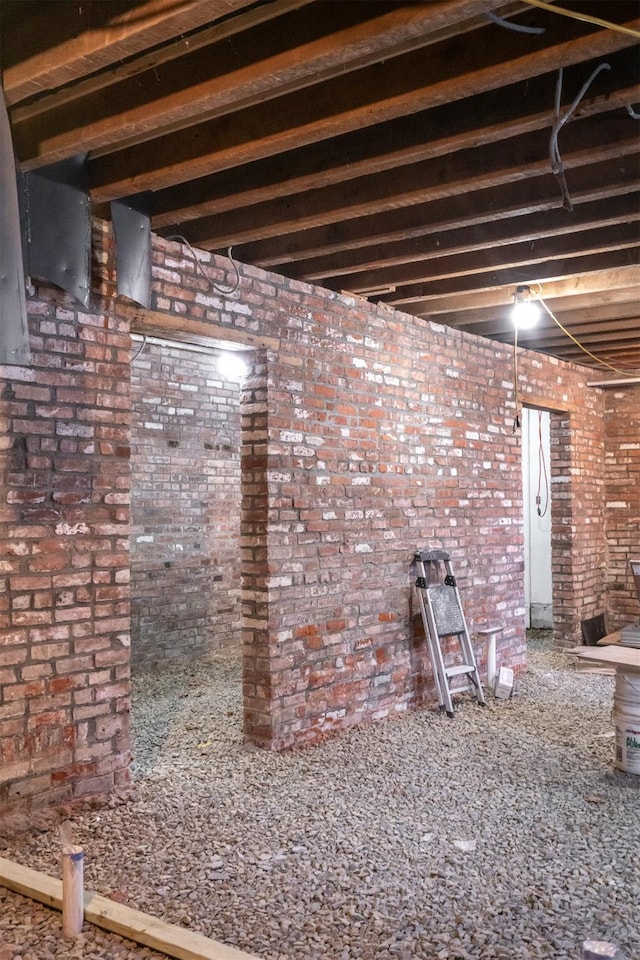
[(60, 226), (14, 333), (131, 219)]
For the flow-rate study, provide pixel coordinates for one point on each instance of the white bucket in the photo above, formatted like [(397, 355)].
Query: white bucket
[(626, 716)]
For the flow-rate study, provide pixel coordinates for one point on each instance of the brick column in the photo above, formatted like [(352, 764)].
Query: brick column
[(64, 563), (258, 717)]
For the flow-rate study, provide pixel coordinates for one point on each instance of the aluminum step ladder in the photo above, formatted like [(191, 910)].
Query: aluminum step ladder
[(442, 616)]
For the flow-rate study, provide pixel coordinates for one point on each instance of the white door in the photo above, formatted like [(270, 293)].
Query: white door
[(536, 476)]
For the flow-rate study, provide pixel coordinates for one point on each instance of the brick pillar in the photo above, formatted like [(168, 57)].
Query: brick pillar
[(258, 720), (64, 563)]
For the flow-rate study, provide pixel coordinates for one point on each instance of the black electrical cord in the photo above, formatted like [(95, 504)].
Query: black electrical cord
[(140, 349), (218, 288), (557, 165), (517, 27), (516, 421), (542, 472)]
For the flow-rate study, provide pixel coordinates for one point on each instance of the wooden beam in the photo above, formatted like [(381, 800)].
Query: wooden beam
[(169, 51), (553, 337), (362, 266), (483, 265), (165, 937), (476, 320), (470, 170), (523, 197), (187, 330), (68, 40), (487, 118), (491, 245), (614, 284), (435, 292), (625, 336), (625, 316), (622, 359), (165, 99), (399, 87)]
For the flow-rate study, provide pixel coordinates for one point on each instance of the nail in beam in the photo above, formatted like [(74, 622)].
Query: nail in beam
[(167, 938)]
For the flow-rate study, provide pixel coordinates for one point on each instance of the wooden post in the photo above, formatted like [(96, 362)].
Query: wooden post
[(72, 884)]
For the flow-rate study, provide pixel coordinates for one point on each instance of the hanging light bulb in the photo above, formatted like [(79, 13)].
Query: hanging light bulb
[(526, 312), (231, 366)]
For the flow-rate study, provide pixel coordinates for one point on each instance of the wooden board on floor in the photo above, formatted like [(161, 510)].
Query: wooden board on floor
[(586, 666), (165, 937), (612, 656)]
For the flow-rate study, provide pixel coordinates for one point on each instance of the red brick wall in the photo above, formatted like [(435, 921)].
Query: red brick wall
[(366, 434), (185, 462), (64, 566), (579, 551), (373, 434), (622, 495)]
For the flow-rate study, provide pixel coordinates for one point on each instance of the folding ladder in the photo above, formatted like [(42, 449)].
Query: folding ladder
[(442, 616)]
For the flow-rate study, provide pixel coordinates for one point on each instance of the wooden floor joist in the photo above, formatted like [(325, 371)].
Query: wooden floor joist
[(165, 937)]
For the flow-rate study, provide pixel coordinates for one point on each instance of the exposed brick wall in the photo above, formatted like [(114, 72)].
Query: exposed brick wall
[(579, 551), (366, 434), (379, 434), (259, 655), (64, 566), (185, 461), (622, 496)]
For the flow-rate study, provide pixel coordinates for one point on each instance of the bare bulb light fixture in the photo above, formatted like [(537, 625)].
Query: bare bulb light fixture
[(231, 366), (526, 311)]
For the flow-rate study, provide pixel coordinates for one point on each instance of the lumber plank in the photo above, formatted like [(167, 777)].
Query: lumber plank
[(565, 306), (610, 279), (140, 927), (171, 49), (614, 655), (459, 240), (533, 195), (166, 937), (433, 294), (31, 883), (188, 330), (524, 253), (487, 118)]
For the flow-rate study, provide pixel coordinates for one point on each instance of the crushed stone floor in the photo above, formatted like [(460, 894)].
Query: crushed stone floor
[(504, 834)]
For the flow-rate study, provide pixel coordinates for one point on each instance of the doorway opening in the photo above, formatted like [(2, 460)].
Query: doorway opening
[(537, 507), (186, 499)]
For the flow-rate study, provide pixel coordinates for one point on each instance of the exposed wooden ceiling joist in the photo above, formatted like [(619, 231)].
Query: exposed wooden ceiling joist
[(609, 284), (306, 50), (521, 109), (477, 168), (409, 256), (591, 182), (395, 88), (363, 144), (85, 37)]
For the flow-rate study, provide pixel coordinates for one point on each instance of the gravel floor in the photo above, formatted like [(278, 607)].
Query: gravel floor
[(504, 833)]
